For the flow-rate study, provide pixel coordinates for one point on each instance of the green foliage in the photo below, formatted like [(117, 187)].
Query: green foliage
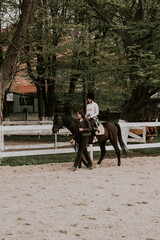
[(135, 30), (70, 48)]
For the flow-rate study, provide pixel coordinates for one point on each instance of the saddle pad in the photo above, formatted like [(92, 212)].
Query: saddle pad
[(101, 130)]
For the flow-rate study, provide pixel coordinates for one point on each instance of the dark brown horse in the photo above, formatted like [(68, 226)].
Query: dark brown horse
[(112, 133)]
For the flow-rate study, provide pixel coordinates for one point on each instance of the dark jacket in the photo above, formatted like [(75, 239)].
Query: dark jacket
[(85, 124)]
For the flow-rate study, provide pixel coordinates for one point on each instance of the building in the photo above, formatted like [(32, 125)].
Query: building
[(21, 101)]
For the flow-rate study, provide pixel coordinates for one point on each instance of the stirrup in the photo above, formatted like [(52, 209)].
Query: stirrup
[(96, 129)]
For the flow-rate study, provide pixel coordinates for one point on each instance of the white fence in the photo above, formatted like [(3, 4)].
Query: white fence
[(56, 148)]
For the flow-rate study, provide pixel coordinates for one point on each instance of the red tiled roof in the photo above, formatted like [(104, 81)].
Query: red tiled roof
[(22, 84), (24, 89)]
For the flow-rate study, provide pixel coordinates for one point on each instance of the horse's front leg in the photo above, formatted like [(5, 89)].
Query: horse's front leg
[(103, 152)]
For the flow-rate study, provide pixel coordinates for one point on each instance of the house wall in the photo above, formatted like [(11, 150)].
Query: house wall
[(20, 108), (36, 105)]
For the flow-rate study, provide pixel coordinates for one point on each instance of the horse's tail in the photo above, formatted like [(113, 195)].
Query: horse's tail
[(123, 146)]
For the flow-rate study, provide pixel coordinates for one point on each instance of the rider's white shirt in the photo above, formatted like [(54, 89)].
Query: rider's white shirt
[(92, 109)]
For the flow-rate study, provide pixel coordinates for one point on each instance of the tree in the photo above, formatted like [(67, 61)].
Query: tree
[(42, 49), (8, 64), (136, 24), (65, 55), (85, 42)]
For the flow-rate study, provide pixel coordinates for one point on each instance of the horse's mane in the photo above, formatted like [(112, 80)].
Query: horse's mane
[(68, 119)]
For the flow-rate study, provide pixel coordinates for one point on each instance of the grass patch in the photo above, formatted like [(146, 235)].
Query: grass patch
[(69, 157), (39, 159), (36, 138)]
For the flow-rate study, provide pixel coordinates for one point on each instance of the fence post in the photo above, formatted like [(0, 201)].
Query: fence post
[(1, 142), (91, 151), (144, 134), (55, 140)]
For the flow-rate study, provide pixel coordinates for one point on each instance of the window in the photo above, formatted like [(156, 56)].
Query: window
[(26, 100)]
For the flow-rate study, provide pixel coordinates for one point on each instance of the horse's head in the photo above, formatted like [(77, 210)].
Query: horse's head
[(57, 123)]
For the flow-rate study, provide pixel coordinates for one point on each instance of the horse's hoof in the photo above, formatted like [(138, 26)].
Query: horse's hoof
[(97, 165)]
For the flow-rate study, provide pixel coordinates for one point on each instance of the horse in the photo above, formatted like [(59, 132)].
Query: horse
[(112, 132)]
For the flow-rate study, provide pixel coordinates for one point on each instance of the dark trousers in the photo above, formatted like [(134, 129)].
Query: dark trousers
[(93, 125), (92, 122), (83, 150)]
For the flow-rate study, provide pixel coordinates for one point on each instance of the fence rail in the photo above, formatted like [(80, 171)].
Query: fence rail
[(56, 148)]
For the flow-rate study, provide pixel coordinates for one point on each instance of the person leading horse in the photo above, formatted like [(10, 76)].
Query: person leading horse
[(82, 137)]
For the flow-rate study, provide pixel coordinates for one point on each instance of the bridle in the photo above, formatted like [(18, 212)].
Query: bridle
[(55, 127)]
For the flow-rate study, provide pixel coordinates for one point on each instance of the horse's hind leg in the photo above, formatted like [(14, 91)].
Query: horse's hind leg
[(117, 150), (118, 155), (103, 152)]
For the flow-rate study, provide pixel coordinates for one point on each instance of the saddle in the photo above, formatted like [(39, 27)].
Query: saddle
[(100, 130)]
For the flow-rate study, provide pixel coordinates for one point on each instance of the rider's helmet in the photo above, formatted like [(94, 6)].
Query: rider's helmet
[(90, 95)]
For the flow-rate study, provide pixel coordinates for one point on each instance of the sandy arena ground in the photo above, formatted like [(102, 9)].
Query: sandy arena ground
[(50, 202)]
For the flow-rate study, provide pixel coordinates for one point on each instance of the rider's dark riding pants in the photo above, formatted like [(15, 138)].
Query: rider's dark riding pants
[(92, 122), (94, 126)]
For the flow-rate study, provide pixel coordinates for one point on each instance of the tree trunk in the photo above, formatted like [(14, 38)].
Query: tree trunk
[(8, 65), (1, 100), (72, 85), (133, 109), (40, 102)]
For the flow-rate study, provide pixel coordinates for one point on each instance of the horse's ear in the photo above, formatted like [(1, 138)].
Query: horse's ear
[(59, 116), (54, 116)]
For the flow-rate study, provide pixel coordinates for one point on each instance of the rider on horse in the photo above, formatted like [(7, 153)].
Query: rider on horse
[(92, 112)]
